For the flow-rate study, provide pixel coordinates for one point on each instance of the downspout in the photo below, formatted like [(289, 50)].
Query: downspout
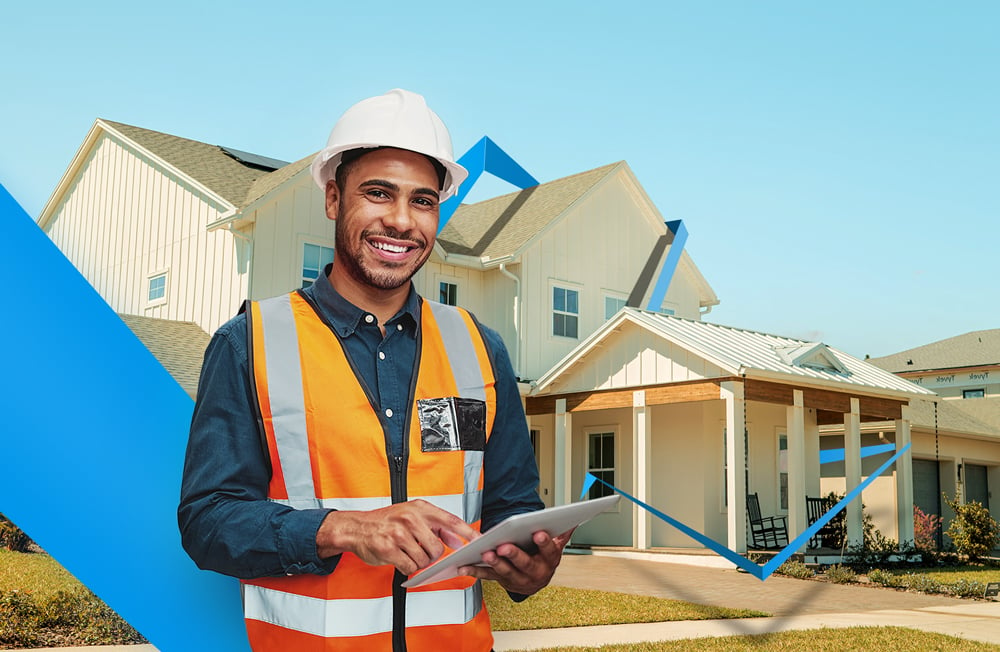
[(517, 318)]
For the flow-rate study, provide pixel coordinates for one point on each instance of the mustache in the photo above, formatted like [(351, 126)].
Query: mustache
[(402, 236)]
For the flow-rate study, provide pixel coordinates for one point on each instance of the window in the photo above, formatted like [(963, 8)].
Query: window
[(448, 293), (535, 434), (973, 393), (565, 311), (783, 471), (601, 462), (156, 292), (612, 305), (314, 259)]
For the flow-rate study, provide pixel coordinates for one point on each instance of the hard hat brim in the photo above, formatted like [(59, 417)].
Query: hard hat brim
[(325, 164)]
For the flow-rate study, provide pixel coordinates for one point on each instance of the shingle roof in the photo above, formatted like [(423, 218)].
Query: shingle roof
[(206, 164), (501, 226), (974, 349), (178, 345)]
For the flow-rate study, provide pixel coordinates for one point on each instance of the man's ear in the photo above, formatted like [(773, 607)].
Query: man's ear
[(332, 199)]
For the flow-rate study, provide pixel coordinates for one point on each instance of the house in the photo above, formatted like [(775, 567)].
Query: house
[(167, 228), (956, 441)]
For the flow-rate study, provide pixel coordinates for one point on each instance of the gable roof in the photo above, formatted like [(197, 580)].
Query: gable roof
[(178, 345), (207, 164), (502, 226), (975, 349), (746, 353)]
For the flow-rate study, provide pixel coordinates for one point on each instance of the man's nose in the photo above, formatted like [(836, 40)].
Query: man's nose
[(400, 216)]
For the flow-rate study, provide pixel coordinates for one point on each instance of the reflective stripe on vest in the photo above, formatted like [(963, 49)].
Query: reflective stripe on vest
[(359, 617)]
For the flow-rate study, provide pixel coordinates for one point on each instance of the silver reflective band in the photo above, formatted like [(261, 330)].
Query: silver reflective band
[(473, 496), (342, 504), (284, 390), (351, 617), (461, 351)]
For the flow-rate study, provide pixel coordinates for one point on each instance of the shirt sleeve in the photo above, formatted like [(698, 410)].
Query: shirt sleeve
[(227, 523), (510, 473)]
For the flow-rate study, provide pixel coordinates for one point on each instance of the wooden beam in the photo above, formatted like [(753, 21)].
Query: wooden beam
[(824, 400), (607, 399)]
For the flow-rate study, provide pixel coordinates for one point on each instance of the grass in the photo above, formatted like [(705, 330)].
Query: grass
[(35, 572), (557, 606), (969, 572), (861, 639)]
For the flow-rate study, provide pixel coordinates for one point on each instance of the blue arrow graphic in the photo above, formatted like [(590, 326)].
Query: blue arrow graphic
[(765, 571)]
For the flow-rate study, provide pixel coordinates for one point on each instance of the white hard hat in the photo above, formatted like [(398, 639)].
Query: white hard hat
[(397, 119)]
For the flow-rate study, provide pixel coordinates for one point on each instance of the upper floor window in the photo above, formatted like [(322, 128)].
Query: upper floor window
[(974, 393), (156, 289), (448, 293), (565, 312), (314, 259), (612, 305)]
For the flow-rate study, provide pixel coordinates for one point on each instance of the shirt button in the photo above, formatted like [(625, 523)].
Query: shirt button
[(388, 412), (369, 319), (381, 355), (399, 327)]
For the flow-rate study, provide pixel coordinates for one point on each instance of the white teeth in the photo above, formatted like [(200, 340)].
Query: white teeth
[(396, 249)]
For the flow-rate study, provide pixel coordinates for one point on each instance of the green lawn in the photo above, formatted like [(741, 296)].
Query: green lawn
[(860, 639), (35, 572), (952, 574), (557, 606)]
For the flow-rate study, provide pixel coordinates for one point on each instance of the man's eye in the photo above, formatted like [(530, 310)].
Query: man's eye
[(425, 201), (377, 194)]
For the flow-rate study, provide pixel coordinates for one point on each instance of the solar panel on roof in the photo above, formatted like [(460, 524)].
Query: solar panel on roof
[(255, 160)]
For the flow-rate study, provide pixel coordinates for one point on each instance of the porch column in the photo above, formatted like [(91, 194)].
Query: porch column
[(852, 472), (641, 456), (796, 461), (563, 454), (904, 479), (736, 488)]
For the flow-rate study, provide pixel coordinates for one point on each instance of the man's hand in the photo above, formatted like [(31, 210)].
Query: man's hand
[(520, 572), (409, 536)]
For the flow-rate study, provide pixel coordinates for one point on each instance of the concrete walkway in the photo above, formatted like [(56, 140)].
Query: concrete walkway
[(796, 604)]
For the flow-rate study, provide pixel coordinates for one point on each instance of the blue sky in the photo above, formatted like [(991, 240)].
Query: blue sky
[(836, 164)]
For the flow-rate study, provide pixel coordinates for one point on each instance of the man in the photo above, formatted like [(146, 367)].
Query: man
[(345, 434)]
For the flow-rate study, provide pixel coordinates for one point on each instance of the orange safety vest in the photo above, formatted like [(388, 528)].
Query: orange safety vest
[(328, 450)]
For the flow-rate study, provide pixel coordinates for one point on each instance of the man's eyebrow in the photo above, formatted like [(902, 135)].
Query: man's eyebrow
[(388, 185)]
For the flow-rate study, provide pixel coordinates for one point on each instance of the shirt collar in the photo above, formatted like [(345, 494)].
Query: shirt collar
[(344, 316)]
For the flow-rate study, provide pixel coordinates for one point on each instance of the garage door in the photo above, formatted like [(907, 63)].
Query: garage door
[(975, 485), (927, 488)]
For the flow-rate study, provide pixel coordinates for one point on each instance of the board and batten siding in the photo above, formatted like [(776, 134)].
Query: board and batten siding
[(124, 218), (282, 227), (599, 247)]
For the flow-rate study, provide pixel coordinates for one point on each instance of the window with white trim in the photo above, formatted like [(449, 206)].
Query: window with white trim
[(612, 305), (448, 293), (314, 259), (156, 289), (601, 462), (565, 312), (974, 393)]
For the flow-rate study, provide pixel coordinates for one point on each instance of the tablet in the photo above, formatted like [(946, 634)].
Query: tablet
[(518, 530)]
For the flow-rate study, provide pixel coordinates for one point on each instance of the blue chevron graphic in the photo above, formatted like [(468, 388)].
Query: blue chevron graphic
[(758, 571), (669, 265), (93, 437), (485, 156)]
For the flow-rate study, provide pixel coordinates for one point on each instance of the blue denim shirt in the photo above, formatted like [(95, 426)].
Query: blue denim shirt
[(226, 522)]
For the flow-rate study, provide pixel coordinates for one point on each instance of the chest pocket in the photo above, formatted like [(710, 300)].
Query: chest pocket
[(453, 423)]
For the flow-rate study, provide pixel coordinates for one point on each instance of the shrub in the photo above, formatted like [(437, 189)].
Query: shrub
[(920, 582), (883, 577), (925, 529), (973, 531), (12, 537), (840, 574), (795, 569), (964, 588), (19, 618)]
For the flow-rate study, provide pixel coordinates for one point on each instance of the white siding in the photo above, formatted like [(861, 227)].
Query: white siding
[(600, 246), (631, 358), (123, 219)]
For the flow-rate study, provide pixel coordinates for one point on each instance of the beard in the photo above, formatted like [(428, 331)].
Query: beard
[(348, 253)]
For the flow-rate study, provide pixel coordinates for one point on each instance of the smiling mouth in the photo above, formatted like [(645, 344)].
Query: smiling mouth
[(391, 248)]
